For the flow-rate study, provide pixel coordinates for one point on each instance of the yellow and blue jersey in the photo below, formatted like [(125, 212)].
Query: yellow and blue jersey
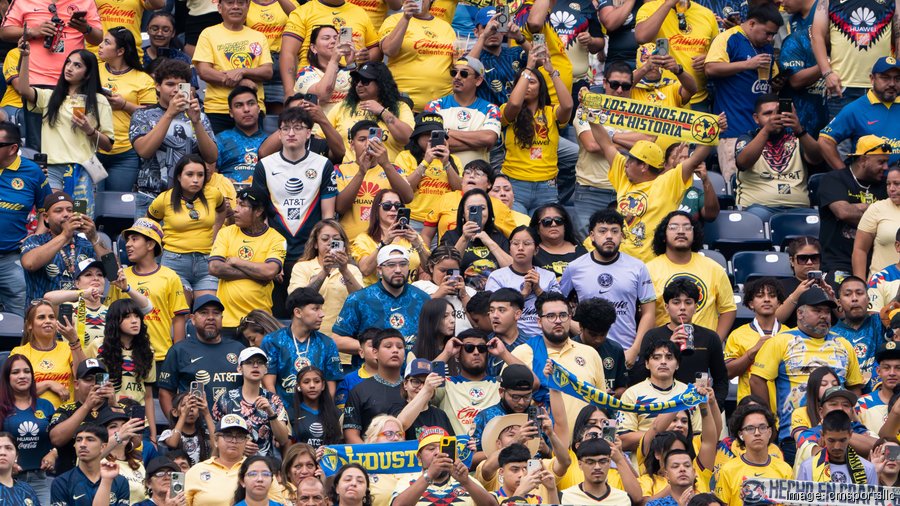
[(866, 116), (23, 186)]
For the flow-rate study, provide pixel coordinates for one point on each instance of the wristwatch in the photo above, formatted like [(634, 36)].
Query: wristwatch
[(428, 479)]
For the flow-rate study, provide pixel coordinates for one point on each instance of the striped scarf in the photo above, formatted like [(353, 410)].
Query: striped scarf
[(822, 468)]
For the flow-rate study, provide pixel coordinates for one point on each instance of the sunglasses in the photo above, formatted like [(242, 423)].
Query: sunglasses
[(365, 81), (462, 73), (886, 148), (388, 205), (807, 259), (194, 215), (8, 144), (619, 84), (549, 222), (470, 348)]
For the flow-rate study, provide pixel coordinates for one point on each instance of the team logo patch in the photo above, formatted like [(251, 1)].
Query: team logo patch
[(608, 363), (205, 476), (293, 185), (311, 174), (46, 365), (463, 116), (202, 376), (580, 361), (232, 358), (861, 349), (701, 286), (255, 49), (39, 414), (704, 129), (245, 253), (397, 321), (17, 183), (605, 280), (477, 394)]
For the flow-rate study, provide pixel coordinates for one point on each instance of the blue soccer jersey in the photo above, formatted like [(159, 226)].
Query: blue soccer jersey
[(287, 356), (373, 306)]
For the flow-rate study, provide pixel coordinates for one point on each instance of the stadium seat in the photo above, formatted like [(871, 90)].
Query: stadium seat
[(114, 211), (813, 187), (715, 256), (783, 227), (754, 264), (723, 193), (11, 326), (735, 231), (744, 314)]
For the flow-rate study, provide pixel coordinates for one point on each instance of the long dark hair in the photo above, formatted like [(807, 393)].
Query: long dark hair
[(111, 349), (202, 431), (132, 452), (582, 423), (462, 213), (312, 56), (375, 216), (659, 235), (419, 154), (90, 87), (174, 43), (429, 343), (7, 396), (177, 191), (241, 493), (523, 126), (325, 406), (125, 40), (332, 494), (311, 250), (812, 392), (661, 444), (388, 93), (568, 228)]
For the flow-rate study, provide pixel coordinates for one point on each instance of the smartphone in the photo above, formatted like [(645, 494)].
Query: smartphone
[(533, 415), (892, 452), (137, 411), (539, 40), (110, 266), (453, 273), (185, 89), (440, 368), (816, 275), (534, 466), (438, 138), (346, 35), (609, 434), (101, 378), (177, 485), (785, 105), (376, 134), (79, 14), (701, 378), (475, 214), (503, 19), (448, 446), (312, 98), (662, 47), (403, 217), (80, 206), (197, 389), (337, 245), (65, 313)]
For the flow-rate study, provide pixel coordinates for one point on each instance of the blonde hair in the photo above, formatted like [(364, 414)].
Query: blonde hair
[(377, 425)]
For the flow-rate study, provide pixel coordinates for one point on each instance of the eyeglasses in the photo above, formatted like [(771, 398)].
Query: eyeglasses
[(470, 348), (549, 222), (293, 128), (675, 227), (391, 434), (885, 147), (396, 265), (615, 85), (520, 397), (414, 381), (556, 316), (162, 474), (462, 73), (595, 462), (388, 205), (192, 212), (257, 474), (753, 429), (516, 244), (807, 259), (159, 29), (474, 171), (255, 363), (233, 438), (365, 81)]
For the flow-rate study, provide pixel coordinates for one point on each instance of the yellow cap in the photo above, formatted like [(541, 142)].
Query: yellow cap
[(872, 145), (649, 153)]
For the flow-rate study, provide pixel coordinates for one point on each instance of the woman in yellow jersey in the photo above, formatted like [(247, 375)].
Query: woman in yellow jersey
[(384, 229), (57, 361), (384, 429), (532, 132), (258, 324), (192, 213), (300, 463), (373, 95), (325, 266), (129, 87), (324, 77), (820, 379), (431, 170), (877, 231), (557, 245), (484, 248)]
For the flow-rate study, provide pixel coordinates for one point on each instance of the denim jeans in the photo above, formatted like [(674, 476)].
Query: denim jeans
[(142, 203), (766, 212), (40, 482), (123, 171), (12, 283), (567, 154), (587, 201), (17, 116), (192, 268), (73, 179), (533, 194)]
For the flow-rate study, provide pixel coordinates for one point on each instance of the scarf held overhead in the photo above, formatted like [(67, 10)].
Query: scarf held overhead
[(563, 380), (384, 458)]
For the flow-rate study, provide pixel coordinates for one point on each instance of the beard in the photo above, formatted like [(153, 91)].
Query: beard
[(556, 339), (473, 371), (604, 254)]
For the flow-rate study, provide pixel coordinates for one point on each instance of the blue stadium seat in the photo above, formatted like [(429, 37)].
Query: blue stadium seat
[(735, 231), (744, 315), (11, 326), (813, 187), (754, 264), (3, 356), (114, 211), (716, 257), (783, 227)]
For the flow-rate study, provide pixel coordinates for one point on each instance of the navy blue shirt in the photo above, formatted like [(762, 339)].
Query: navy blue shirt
[(19, 494), (214, 365), (238, 154), (59, 273), (32, 432), (73, 488), (287, 356), (23, 186), (796, 55), (500, 73)]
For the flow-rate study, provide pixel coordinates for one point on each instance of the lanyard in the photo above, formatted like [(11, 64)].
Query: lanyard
[(758, 328)]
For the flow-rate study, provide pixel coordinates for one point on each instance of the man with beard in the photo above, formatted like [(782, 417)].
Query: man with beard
[(787, 359), (379, 394), (838, 462), (392, 301), (470, 391), (615, 276), (864, 331), (872, 409), (870, 114), (580, 359), (208, 359), (677, 240), (596, 316), (771, 163)]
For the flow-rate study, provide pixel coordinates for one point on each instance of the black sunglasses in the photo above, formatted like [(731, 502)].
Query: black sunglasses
[(881, 147), (462, 73), (365, 81), (8, 144), (556, 220), (807, 259), (388, 205), (619, 84), (470, 348)]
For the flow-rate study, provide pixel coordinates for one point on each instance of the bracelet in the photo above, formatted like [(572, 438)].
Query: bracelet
[(680, 70), (427, 478), (76, 345), (127, 289), (381, 114), (117, 438), (553, 74), (826, 74)]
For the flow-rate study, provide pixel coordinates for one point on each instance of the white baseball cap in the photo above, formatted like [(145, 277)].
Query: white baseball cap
[(252, 351), (388, 253)]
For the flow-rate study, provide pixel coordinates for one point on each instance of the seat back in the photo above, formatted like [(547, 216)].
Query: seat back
[(753, 264)]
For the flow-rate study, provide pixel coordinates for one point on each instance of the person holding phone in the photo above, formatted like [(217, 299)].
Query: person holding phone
[(325, 77), (483, 247), (651, 88), (418, 389), (806, 261), (445, 281), (158, 481), (125, 434)]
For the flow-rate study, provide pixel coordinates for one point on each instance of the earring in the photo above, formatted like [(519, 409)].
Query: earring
[(500, 480)]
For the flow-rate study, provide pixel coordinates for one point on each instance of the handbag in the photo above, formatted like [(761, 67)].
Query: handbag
[(94, 168)]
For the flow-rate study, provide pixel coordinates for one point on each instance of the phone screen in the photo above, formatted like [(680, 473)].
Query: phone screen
[(80, 206)]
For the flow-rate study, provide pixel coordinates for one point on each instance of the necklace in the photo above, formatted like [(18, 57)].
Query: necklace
[(865, 188), (386, 382), (301, 361)]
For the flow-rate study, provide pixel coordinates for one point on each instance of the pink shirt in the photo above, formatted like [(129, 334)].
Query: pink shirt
[(45, 66)]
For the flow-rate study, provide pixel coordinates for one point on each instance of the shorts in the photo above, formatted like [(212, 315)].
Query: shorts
[(196, 24), (192, 268), (274, 88)]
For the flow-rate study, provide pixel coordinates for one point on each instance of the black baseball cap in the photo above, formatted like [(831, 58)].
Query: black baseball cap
[(517, 377), (815, 296)]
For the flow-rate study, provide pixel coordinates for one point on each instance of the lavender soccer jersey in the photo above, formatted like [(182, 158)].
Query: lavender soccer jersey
[(625, 283), (508, 278)]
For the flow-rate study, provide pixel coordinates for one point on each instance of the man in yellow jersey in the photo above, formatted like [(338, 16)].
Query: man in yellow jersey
[(594, 457), (676, 242), (652, 88), (645, 194), (229, 54), (165, 324), (246, 257), (690, 29)]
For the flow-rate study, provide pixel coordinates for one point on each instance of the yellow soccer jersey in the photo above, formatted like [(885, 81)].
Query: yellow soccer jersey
[(124, 13), (183, 234), (240, 296), (733, 474), (443, 217), (647, 392), (872, 411), (716, 296), (227, 50), (131, 387), (10, 72), (736, 346), (443, 9), (434, 184), (163, 288), (644, 205), (54, 365), (422, 67), (538, 162), (304, 19), (211, 483), (728, 449), (343, 118), (269, 20), (577, 495), (883, 287), (135, 86), (667, 94), (356, 221)]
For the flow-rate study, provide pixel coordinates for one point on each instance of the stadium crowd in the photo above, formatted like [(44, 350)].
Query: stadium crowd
[(388, 228)]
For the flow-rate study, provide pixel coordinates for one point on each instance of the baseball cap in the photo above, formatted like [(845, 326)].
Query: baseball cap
[(147, 228), (427, 122), (430, 435), (649, 153), (517, 377), (839, 391), (56, 197), (471, 62), (887, 351), (872, 145), (160, 463), (419, 367), (231, 421), (207, 299), (815, 296), (110, 414), (89, 366), (367, 70), (250, 352), (884, 64), (484, 15), (86, 264), (387, 253), (253, 195)]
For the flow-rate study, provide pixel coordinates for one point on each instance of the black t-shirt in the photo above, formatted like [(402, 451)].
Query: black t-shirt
[(214, 365), (621, 44), (707, 357), (308, 427), (556, 263), (368, 399), (66, 460), (478, 262), (837, 236), (431, 417)]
